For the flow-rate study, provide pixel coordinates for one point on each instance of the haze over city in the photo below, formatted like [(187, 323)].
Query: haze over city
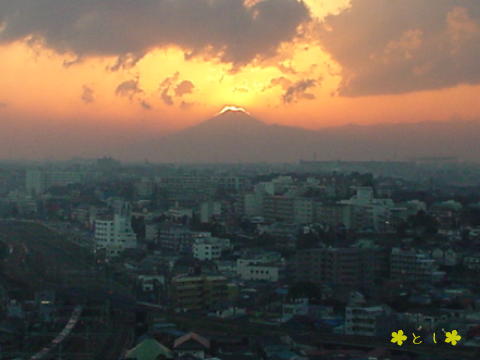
[(89, 78), (239, 179)]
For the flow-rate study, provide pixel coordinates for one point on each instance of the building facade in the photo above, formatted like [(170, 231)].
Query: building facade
[(115, 235), (198, 292)]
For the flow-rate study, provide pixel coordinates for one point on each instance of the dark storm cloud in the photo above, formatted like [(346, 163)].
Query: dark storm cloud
[(172, 88), (185, 87), (165, 86), (128, 89), (282, 81), (145, 105), (129, 28), (398, 46), (185, 105), (166, 98), (87, 95), (298, 91)]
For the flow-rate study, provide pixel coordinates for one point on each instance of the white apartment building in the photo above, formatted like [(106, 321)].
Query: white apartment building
[(115, 235), (256, 269), (209, 248), (369, 213)]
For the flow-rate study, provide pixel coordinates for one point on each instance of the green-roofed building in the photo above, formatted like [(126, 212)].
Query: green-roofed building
[(149, 349)]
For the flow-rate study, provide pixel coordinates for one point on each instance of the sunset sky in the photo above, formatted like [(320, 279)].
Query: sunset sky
[(78, 77)]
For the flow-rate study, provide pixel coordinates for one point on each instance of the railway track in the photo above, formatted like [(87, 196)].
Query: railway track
[(36, 259)]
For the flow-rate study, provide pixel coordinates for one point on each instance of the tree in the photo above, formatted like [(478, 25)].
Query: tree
[(138, 226), (304, 289), (424, 221), (308, 241), (3, 250)]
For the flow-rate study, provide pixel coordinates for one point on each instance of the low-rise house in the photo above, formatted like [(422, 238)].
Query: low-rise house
[(227, 310), (149, 349), (226, 267), (148, 282), (448, 257), (192, 344), (472, 261), (294, 307)]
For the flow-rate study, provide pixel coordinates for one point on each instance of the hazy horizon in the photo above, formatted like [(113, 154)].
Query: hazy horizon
[(237, 136)]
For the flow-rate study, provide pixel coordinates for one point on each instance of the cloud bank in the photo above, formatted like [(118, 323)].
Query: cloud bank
[(399, 46), (233, 30)]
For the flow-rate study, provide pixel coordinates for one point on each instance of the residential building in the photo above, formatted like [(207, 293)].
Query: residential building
[(198, 292), (144, 189), (177, 213), (209, 248), (231, 183), (253, 204), (334, 215), (38, 181), (210, 210), (284, 234), (191, 346), (260, 267), (151, 232), (175, 238), (295, 307), (368, 320), (115, 235), (368, 213), (149, 349), (408, 266), (472, 261), (341, 267), (279, 208), (303, 211)]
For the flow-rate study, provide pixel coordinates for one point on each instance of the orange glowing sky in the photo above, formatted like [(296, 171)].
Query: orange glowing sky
[(340, 66)]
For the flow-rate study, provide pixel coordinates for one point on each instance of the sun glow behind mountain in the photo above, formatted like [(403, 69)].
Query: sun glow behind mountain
[(233, 109)]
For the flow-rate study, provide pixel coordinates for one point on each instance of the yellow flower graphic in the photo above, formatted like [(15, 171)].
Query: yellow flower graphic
[(452, 337), (398, 337)]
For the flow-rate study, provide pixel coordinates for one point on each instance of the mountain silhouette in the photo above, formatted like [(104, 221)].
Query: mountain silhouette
[(235, 136)]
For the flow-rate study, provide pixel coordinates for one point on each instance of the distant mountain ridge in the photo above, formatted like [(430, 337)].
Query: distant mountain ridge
[(235, 136)]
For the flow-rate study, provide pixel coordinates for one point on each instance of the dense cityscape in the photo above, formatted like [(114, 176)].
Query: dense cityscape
[(314, 260), (239, 180)]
